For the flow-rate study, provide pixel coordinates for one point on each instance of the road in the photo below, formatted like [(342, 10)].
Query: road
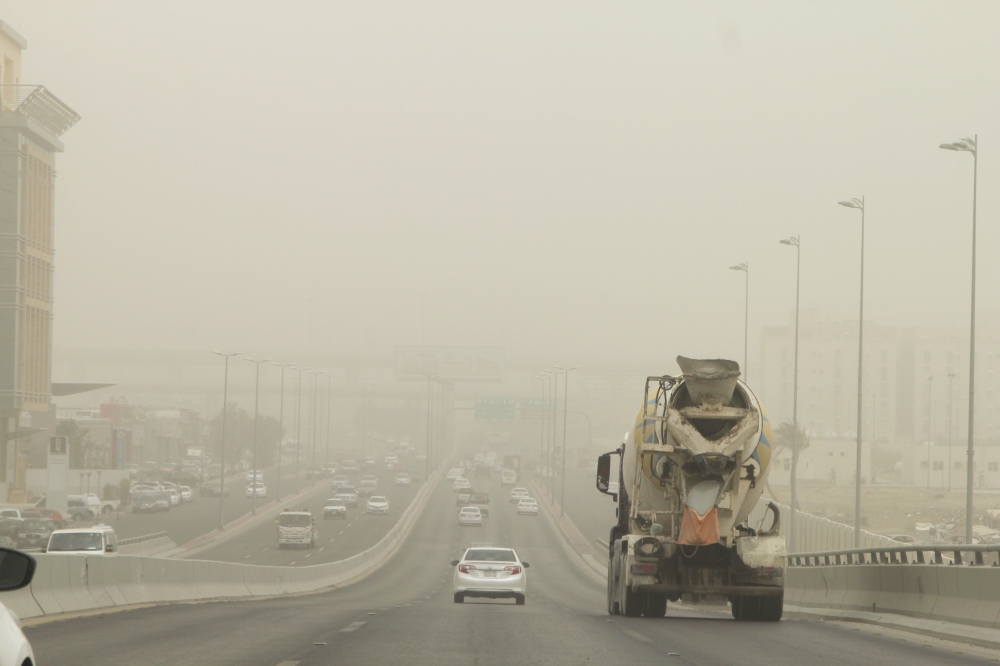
[(403, 613), (192, 519), (338, 539)]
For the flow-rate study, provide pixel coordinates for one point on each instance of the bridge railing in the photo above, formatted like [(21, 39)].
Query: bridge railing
[(903, 554)]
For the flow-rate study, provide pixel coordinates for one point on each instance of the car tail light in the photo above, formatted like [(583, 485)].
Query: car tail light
[(513, 569), (466, 568), (644, 568)]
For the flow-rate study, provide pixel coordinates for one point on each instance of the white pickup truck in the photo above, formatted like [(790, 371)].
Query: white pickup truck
[(96, 504)]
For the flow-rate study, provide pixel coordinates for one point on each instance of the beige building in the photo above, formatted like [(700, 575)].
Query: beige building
[(31, 121)]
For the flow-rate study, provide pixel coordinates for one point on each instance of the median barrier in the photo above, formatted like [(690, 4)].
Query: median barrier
[(22, 603)]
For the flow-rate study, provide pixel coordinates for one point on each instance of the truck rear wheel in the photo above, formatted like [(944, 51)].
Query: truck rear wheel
[(633, 603), (656, 605)]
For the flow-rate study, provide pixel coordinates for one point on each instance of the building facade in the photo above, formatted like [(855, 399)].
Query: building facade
[(31, 121)]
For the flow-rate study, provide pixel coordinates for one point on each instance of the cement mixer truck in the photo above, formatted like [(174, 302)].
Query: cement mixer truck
[(690, 473)]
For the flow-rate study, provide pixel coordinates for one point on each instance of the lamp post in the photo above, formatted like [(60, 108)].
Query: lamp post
[(256, 405), (427, 466), (225, 409), (562, 481), (796, 242), (547, 465), (970, 146), (951, 416), (930, 426), (543, 430), (298, 425), (281, 424), (329, 405), (860, 205), (745, 268)]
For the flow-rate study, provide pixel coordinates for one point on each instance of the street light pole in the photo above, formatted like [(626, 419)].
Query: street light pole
[(970, 146), (281, 424), (298, 425), (329, 405), (860, 205), (796, 242), (951, 425), (562, 482), (256, 405), (745, 268), (225, 408), (930, 426)]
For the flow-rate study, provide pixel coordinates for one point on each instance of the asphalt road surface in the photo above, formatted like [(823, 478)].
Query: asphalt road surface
[(403, 613), (338, 538)]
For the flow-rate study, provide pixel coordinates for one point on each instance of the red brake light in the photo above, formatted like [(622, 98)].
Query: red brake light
[(513, 569), (466, 568)]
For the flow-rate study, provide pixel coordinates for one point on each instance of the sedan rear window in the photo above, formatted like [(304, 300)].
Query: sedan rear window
[(490, 555)]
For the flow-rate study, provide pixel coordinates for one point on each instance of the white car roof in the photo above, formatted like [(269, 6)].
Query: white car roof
[(378, 498), (85, 530)]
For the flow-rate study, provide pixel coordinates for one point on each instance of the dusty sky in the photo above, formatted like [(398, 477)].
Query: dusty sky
[(556, 178)]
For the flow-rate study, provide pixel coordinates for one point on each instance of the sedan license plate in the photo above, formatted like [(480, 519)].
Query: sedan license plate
[(490, 574)]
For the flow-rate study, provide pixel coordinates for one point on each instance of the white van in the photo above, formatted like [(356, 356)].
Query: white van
[(508, 477), (96, 540)]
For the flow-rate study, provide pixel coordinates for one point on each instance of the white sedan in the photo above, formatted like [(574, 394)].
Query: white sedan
[(402, 480), (518, 494), (527, 507), (456, 473), (255, 476), (461, 484), (470, 515), (256, 490), (494, 573), (186, 494), (378, 504), (16, 570)]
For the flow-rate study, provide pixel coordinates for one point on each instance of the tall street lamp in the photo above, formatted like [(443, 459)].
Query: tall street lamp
[(427, 465), (562, 482), (860, 205), (225, 409), (548, 465), (281, 425), (745, 268), (298, 425), (543, 430), (970, 146), (796, 242), (256, 405), (329, 405), (930, 426), (951, 416)]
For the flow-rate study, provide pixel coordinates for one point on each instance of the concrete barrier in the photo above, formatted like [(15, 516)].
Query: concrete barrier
[(68, 583)]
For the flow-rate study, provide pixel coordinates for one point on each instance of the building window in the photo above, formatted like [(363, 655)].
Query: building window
[(994, 467), (939, 465)]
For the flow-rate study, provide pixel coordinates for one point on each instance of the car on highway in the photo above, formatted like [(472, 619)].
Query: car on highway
[(401, 479), (349, 499), (33, 533), (338, 481), (174, 495), (350, 466), (370, 461), (491, 572), (16, 571), (212, 489), (256, 490), (255, 476), (151, 503), (517, 494), (470, 515), (79, 510), (508, 477), (456, 473), (334, 508), (461, 484), (186, 494), (377, 504), (481, 501), (368, 485), (96, 540), (527, 506)]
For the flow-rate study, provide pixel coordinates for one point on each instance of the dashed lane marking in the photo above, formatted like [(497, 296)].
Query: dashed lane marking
[(322, 547), (637, 636), (351, 627), (309, 554), (289, 663), (341, 531)]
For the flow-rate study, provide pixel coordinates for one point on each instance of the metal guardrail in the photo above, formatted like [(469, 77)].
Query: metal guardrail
[(140, 539), (898, 555)]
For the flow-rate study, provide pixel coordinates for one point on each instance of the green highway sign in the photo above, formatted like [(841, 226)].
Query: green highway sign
[(535, 408), (494, 409)]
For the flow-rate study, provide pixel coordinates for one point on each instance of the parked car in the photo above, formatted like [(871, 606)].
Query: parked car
[(16, 571), (78, 510), (186, 494), (151, 503)]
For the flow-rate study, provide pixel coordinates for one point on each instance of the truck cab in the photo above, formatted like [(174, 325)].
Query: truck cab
[(296, 528)]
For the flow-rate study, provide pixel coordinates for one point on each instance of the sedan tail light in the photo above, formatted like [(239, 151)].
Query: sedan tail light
[(513, 569), (466, 568)]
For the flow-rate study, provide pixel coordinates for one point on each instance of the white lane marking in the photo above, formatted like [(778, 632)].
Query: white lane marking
[(291, 563), (246, 556), (351, 627), (322, 547), (289, 663), (309, 554), (341, 531), (637, 636)]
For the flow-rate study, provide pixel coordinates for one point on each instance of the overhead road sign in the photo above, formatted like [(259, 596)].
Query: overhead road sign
[(495, 409)]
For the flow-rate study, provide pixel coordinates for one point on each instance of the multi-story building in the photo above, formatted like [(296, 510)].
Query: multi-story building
[(31, 121)]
